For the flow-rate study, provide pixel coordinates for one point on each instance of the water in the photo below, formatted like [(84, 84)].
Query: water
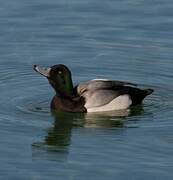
[(124, 40)]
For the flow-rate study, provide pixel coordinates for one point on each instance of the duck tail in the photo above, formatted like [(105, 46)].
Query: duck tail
[(148, 91)]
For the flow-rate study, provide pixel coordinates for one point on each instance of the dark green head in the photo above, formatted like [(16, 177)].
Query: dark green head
[(59, 76)]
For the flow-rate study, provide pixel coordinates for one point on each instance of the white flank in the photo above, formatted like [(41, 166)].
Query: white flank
[(121, 102), (100, 80)]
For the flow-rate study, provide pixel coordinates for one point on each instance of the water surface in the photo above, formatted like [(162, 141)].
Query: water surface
[(123, 40)]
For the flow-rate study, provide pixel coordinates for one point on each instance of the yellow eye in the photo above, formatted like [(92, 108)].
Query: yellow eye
[(59, 72)]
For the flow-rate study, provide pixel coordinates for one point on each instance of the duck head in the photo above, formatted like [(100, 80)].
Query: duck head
[(59, 77)]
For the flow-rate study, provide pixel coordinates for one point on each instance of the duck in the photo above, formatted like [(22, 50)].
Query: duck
[(97, 95)]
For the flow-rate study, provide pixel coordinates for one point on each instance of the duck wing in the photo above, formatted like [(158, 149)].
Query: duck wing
[(98, 93), (97, 84)]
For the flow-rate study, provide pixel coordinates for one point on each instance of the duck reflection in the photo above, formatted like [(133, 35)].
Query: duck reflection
[(65, 121), (60, 133), (58, 138)]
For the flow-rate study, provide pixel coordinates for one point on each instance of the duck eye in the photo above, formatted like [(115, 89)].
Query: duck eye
[(59, 72)]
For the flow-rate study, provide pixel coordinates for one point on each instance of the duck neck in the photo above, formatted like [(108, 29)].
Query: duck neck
[(69, 87), (66, 90)]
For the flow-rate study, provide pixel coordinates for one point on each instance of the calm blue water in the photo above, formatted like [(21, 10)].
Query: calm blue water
[(123, 39)]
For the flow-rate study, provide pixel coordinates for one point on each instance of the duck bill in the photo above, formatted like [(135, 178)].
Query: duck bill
[(43, 71)]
